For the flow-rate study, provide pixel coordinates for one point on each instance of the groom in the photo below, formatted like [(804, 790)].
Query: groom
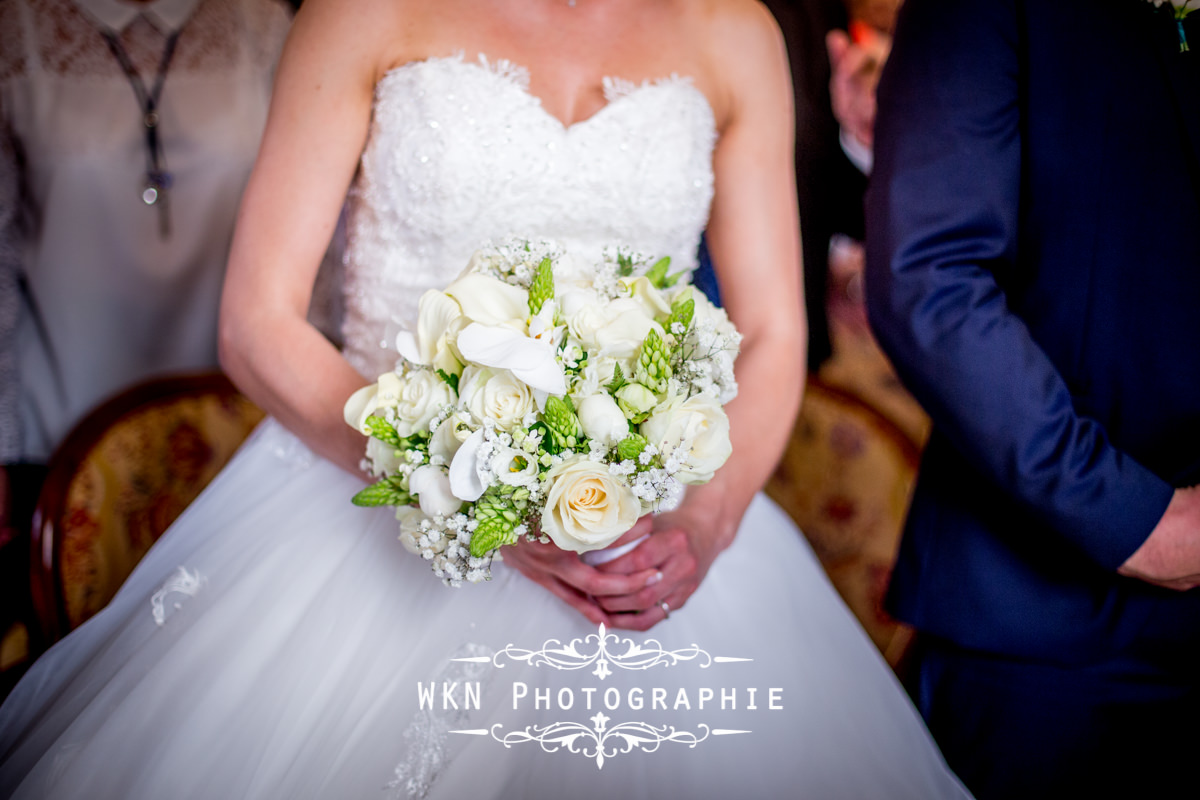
[(1034, 273)]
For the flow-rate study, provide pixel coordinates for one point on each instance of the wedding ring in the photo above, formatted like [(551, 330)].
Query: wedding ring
[(666, 609)]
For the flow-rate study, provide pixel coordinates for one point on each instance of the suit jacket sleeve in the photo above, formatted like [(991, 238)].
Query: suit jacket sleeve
[(943, 212)]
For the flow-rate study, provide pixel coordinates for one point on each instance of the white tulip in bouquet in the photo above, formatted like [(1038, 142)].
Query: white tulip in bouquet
[(543, 397)]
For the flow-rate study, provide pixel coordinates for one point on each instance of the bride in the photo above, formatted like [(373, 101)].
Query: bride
[(278, 642)]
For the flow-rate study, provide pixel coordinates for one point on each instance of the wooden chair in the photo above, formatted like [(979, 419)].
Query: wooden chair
[(846, 478), (119, 480)]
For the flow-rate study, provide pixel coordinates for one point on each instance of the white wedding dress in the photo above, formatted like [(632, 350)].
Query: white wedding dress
[(274, 643)]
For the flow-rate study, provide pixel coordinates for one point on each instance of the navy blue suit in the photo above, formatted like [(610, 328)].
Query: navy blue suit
[(1034, 273)]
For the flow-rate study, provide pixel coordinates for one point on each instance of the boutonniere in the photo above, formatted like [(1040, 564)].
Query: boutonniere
[(1180, 8)]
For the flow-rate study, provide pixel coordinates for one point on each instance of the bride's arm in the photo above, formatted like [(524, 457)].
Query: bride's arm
[(755, 243), (318, 122), (754, 239)]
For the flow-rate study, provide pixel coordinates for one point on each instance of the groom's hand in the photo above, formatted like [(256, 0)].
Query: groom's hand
[(1170, 556)]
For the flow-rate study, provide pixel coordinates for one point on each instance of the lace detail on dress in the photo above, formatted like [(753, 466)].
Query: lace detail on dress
[(183, 582), (461, 153), (426, 754)]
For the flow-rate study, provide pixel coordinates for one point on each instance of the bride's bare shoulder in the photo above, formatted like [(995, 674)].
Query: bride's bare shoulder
[(739, 31), (743, 47)]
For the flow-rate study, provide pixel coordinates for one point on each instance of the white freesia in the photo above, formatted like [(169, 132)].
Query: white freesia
[(495, 394), (602, 419), (410, 520), (465, 479), (369, 399), (514, 467), (530, 360), (421, 397), (432, 487), (490, 301), (699, 426), (449, 436), (586, 507)]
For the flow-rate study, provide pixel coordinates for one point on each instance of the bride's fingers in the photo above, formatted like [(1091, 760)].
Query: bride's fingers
[(658, 548), (537, 560), (676, 572), (591, 581)]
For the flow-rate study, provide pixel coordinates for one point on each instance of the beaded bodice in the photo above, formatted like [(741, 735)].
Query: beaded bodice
[(460, 153)]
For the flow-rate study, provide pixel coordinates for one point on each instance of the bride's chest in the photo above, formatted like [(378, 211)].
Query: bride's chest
[(462, 138)]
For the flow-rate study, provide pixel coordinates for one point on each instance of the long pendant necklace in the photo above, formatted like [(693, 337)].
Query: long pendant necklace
[(158, 180)]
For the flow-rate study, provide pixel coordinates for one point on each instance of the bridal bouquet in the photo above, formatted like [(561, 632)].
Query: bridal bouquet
[(548, 398)]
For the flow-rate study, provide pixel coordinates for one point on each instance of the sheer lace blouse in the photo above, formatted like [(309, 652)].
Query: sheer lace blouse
[(92, 298)]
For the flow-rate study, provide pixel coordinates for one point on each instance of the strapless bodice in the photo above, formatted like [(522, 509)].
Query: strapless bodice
[(460, 153)]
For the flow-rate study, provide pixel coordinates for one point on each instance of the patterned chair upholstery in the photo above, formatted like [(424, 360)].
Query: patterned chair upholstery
[(846, 479), (119, 480)]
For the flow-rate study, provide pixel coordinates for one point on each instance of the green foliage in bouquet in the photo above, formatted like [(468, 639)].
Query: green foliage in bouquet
[(654, 364), (542, 287), (562, 424), (387, 492), (390, 491), (658, 277), (499, 513)]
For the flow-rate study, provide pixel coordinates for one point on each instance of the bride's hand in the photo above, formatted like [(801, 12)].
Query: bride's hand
[(581, 586), (682, 546)]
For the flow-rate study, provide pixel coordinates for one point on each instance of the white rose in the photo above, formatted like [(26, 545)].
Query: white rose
[(422, 395), (369, 399), (410, 520), (586, 507), (432, 487), (698, 425), (449, 436), (602, 419), (490, 301), (497, 395), (615, 329)]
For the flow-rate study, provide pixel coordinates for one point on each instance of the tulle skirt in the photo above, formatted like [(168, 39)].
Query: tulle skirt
[(279, 642)]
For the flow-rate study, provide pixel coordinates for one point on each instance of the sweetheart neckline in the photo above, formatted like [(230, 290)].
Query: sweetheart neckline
[(616, 89)]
